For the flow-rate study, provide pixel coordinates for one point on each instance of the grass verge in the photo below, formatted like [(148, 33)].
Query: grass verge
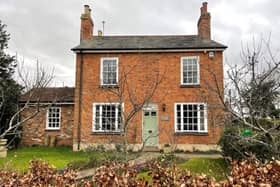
[(215, 167), (57, 156)]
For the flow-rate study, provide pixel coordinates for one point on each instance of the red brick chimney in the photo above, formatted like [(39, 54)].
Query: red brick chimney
[(86, 24), (203, 25)]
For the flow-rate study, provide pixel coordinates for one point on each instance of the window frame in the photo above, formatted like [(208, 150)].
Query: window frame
[(190, 131), (116, 115), (101, 70), (198, 70), (47, 118)]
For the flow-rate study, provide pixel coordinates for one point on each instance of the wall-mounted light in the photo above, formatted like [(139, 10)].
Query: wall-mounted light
[(211, 54), (163, 107)]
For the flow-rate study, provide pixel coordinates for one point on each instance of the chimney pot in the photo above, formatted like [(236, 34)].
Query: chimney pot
[(203, 9), (100, 33), (87, 10)]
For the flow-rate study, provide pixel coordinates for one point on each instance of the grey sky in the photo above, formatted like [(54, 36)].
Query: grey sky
[(47, 29)]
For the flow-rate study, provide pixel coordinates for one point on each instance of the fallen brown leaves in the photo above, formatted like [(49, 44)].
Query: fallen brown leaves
[(39, 174), (248, 173), (253, 173)]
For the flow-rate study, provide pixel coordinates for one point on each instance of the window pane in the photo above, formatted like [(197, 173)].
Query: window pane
[(202, 120), (202, 126), (119, 116), (97, 123), (153, 113)]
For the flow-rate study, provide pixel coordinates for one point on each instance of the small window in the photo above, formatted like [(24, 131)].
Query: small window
[(109, 71), (146, 113), (53, 118), (153, 113), (190, 117), (190, 70)]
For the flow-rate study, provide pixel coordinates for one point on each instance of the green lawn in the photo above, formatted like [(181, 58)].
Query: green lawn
[(57, 156), (215, 167), (60, 156)]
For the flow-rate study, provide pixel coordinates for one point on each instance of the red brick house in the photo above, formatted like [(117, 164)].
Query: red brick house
[(54, 116), (183, 111)]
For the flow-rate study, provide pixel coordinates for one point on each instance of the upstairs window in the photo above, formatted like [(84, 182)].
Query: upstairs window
[(190, 117), (106, 117), (53, 118), (109, 71), (190, 70)]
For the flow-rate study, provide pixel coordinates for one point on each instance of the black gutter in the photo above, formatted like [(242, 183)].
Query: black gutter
[(80, 102)]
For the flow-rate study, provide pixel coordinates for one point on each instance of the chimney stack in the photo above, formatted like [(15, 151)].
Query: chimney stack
[(86, 32), (204, 25)]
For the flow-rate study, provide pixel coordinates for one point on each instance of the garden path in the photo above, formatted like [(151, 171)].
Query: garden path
[(147, 156)]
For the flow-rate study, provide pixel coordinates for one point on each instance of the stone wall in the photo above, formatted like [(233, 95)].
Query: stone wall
[(34, 131)]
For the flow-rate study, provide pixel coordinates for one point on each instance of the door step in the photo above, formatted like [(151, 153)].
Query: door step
[(151, 149)]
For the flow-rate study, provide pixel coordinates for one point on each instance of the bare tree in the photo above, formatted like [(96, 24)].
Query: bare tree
[(134, 95), (31, 82), (136, 100), (251, 89)]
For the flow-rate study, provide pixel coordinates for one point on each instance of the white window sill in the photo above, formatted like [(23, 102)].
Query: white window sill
[(109, 86), (196, 133), (52, 129), (105, 132)]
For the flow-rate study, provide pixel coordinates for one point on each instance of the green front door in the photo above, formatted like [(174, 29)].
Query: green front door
[(150, 128)]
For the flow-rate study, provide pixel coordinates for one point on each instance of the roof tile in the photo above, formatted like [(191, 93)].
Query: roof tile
[(148, 42)]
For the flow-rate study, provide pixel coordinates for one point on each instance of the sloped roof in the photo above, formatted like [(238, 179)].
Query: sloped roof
[(161, 42), (57, 94)]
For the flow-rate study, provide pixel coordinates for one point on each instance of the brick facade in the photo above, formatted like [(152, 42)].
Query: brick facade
[(34, 131), (169, 92)]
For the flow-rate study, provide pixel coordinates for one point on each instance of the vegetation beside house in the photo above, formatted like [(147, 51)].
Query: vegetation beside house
[(252, 125)]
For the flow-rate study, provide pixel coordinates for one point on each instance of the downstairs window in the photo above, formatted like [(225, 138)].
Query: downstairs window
[(190, 117), (106, 117)]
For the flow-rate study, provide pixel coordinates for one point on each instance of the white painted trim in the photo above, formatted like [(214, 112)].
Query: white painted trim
[(198, 70), (93, 116), (192, 131), (101, 70), (148, 51), (47, 119)]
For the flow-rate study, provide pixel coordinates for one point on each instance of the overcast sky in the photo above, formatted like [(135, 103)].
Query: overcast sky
[(47, 29)]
